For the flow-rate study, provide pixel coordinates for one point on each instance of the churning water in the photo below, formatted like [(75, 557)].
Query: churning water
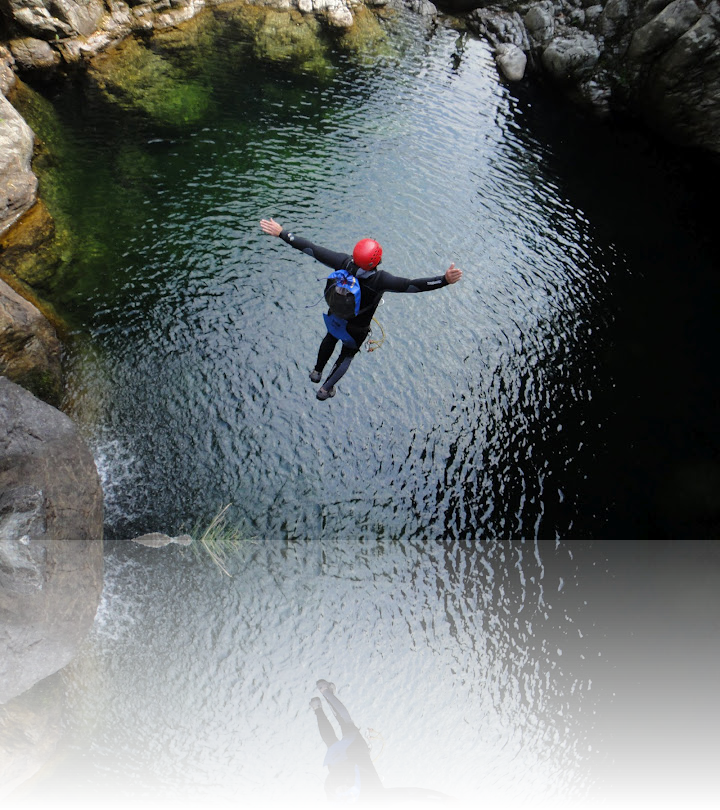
[(409, 539)]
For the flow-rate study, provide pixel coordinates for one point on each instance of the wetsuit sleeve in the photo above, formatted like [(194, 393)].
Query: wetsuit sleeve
[(386, 798), (331, 258), (391, 283)]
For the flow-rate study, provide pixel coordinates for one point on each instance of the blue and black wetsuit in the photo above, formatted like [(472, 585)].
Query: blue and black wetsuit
[(352, 750), (372, 286)]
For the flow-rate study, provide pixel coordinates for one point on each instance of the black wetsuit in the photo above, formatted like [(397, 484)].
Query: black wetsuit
[(372, 287), (372, 793)]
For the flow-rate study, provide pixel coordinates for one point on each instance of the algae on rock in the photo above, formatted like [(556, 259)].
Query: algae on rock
[(136, 78)]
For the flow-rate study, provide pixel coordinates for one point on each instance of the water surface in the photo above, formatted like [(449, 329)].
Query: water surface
[(411, 538)]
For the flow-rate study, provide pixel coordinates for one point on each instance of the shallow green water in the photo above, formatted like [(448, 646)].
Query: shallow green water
[(559, 391)]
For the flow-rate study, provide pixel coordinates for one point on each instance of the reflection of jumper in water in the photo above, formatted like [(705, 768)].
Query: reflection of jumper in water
[(352, 774)]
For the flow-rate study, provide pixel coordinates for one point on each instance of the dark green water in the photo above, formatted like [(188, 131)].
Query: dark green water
[(411, 538)]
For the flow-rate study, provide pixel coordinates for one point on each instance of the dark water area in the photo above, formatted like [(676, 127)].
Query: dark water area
[(472, 540)]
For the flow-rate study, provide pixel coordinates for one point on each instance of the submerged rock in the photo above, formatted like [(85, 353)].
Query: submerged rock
[(136, 78), (51, 529), (159, 540)]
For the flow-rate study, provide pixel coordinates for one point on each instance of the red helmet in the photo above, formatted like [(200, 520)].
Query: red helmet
[(367, 254)]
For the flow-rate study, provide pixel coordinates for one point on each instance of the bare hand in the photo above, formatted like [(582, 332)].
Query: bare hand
[(453, 274), (271, 227)]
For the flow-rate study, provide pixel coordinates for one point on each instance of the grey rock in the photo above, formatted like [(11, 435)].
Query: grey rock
[(614, 15), (18, 184), (29, 347), (7, 74), (593, 14), (51, 520), (500, 27), (664, 29), (49, 19), (540, 23), (34, 54), (682, 93), (571, 57), (423, 8), (158, 540), (511, 60)]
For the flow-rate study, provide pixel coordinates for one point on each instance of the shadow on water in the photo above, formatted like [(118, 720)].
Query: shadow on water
[(391, 533), (653, 204)]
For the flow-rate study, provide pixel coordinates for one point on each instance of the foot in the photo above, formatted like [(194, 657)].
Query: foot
[(315, 376), (326, 686), (323, 394), (315, 704)]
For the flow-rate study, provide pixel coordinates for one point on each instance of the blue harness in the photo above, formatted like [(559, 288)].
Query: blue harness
[(337, 752), (337, 327)]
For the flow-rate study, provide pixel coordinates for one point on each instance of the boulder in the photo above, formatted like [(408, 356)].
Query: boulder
[(540, 23), (511, 60), (571, 57), (51, 547), (613, 18), (52, 19), (664, 29), (158, 540), (29, 347), (18, 184), (34, 55)]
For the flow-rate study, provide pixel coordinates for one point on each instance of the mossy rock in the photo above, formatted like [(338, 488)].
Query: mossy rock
[(43, 240), (366, 37), (136, 78), (292, 39), (28, 251)]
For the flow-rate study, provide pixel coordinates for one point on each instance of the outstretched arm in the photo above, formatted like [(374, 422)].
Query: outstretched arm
[(330, 258), (413, 285)]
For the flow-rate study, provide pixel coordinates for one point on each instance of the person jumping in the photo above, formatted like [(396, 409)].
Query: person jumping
[(367, 283)]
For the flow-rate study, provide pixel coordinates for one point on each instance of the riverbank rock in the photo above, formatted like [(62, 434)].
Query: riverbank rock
[(7, 72), (31, 726), (51, 523), (511, 60), (29, 347), (655, 60), (18, 184)]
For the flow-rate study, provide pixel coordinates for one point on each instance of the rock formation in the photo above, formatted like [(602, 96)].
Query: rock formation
[(51, 520), (657, 60), (18, 184), (29, 347)]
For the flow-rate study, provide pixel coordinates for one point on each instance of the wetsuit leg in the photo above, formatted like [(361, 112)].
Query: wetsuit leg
[(327, 346), (341, 713), (327, 732), (341, 366)]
